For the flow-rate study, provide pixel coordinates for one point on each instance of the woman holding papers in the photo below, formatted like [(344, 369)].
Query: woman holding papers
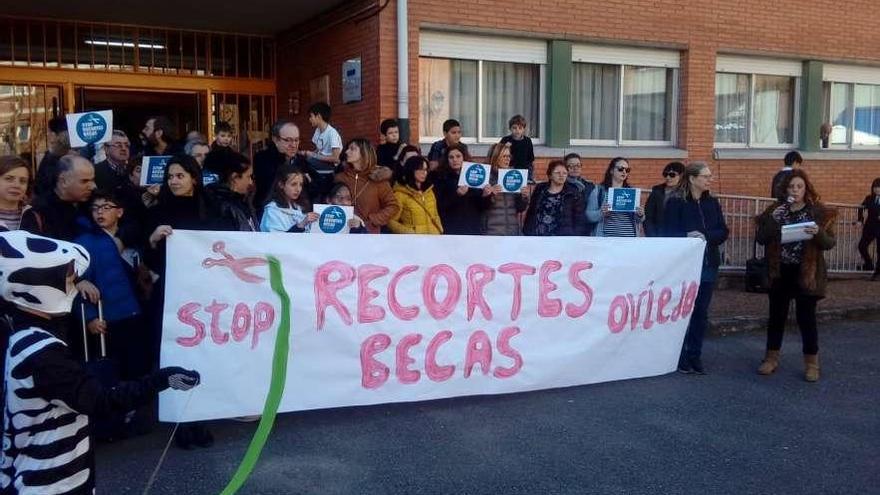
[(557, 206), (611, 223), (502, 215), (795, 232), (418, 206), (693, 212)]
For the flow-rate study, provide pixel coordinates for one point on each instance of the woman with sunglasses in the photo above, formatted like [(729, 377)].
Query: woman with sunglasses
[(613, 223), (692, 211), (658, 198)]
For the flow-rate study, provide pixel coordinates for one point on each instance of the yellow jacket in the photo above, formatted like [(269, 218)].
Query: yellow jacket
[(418, 212)]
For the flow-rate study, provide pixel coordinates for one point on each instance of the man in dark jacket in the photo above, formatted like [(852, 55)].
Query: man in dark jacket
[(111, 173), (282, 149), (54, 214), (59, 145)]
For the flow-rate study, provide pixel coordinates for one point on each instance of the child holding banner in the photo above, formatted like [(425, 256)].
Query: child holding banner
[(418, 205), (614, 223), (502, 215), (289, 204)]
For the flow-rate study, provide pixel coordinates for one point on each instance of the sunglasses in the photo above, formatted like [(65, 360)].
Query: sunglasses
[(624, 170), (670, 174)]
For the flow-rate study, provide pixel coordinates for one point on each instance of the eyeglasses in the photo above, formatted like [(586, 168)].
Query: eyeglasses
[(670, 175), (288, 140), (105, 207), (575, 165), (623, 170)]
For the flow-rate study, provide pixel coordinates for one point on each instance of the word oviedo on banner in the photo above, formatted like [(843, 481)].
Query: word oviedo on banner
[(445, 316)]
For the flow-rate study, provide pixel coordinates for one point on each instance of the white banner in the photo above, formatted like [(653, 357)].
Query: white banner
[(397, 318)]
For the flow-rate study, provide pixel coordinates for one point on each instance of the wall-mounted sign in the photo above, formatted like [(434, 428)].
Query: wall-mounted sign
[(351, 80)]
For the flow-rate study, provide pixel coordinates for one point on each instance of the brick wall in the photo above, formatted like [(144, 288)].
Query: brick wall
[(302, 56), (701, 28)]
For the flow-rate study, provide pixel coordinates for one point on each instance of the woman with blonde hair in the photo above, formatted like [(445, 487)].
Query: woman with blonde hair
[(692, 211), (502, 214)]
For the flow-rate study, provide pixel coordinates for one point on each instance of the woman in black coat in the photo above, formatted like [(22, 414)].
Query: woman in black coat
[(557, 206), (694, 212), (660, 194), (871, 228), (461, 208), (229, 199)]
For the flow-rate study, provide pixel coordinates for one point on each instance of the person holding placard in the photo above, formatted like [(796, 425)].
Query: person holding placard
[(556, 206), (609, 221), (692, 211), (461, 207), (502, 215), (373, 198), (797, 269), (418, 205), (340, 195), (288, 209)]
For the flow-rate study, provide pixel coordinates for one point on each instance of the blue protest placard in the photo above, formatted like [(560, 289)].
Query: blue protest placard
[(153, 169), (474, 175), (624, 198), (512, 180), (89, 128), (332, 219)]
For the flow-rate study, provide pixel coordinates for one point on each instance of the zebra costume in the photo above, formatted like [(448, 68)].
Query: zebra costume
[(48, 395)]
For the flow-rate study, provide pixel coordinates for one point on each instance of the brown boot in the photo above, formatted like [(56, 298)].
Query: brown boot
[(811, 367), (770, 363)]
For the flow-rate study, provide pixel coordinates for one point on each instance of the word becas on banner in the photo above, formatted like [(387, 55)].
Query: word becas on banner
[(333, 277)]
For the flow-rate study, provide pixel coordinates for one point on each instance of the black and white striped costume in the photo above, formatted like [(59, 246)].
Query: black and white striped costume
[(48, 395)]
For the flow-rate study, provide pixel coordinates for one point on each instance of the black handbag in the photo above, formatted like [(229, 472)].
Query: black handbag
[(757, 272)]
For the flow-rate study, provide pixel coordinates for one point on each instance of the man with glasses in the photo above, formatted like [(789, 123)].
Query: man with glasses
[(281, 149), (672, 173), (111, 173)]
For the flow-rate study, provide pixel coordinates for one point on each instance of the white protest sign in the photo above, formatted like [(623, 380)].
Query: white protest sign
[(512, 180), (625, 199), (89, 128), (153, 169), (474, 175), (444, 316), (332, 219)]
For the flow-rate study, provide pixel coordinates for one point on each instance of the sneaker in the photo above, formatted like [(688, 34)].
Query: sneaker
[(697, 366), (248, 419), (684, 367)]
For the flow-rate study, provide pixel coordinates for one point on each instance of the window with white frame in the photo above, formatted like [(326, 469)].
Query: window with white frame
[(623, 96), (852, 106), (481, 81), (756, 102)]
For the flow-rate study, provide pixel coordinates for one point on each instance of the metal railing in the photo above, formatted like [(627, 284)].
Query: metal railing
[(740, 213)]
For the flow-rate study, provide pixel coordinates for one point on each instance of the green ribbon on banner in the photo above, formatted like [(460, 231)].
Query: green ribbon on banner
[(276, 384)]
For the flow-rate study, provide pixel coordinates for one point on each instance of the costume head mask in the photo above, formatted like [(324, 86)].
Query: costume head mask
[(34, 271)]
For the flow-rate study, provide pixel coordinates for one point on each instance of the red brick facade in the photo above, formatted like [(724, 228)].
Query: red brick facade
[(700, 29)]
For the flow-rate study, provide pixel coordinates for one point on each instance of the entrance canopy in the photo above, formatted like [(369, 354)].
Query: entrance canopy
[(265, 17)]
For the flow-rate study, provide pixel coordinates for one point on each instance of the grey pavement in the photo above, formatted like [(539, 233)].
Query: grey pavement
[(730, 431)]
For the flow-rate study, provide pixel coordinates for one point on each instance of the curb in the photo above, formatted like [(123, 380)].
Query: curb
[(741, 324)]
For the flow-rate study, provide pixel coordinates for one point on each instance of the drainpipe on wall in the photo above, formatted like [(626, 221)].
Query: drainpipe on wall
[(403, 69)]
